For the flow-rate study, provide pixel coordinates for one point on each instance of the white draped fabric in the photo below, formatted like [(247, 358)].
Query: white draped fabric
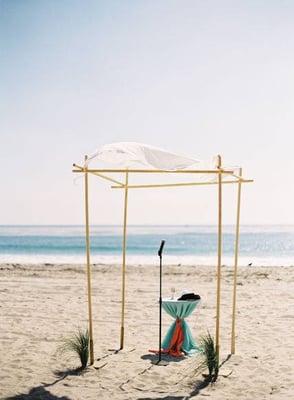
[(133, 155)]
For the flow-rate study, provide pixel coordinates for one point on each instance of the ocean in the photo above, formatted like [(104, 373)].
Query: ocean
[(259, 245)]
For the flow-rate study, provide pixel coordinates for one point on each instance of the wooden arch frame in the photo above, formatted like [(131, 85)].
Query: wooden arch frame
[(219, 172)]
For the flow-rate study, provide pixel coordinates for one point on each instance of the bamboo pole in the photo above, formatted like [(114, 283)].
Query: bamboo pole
[(219, 259), (156, 171), (233, 333), (88, 267), (123, 292), (107, 178), (81, 169), (166, 185)]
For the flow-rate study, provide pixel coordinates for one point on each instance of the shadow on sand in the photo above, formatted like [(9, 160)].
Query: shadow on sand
[(162, 398), (198, 387), (37, 393), (199, 384), (41, 392), (165, 357)]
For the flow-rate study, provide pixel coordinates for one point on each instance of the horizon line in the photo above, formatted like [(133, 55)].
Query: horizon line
[(139, 225)]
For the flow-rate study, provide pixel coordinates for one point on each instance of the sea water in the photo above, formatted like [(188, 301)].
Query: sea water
[(196, 245)]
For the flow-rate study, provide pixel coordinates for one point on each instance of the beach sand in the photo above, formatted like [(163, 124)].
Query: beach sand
[(40, 304)]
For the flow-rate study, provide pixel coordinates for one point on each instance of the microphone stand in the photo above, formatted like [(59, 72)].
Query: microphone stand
[(160, 362), (160, 305)]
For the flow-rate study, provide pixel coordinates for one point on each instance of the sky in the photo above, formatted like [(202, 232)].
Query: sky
[(193, 77)]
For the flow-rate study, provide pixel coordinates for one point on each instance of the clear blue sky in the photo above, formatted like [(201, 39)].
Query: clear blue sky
[(194, 77)]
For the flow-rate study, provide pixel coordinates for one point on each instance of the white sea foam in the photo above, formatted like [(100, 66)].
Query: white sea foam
[(188, 245)]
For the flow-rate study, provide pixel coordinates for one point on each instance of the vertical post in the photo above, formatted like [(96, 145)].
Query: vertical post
[(123, 292), (88, 265), (233, 334), (160, 362), (219, 257), (160, 306)]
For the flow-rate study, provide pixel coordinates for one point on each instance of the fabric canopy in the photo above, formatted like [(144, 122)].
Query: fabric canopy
[(131, 154)]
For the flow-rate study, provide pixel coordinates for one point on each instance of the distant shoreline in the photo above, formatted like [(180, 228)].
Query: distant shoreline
[(80, 267), (185, 244)]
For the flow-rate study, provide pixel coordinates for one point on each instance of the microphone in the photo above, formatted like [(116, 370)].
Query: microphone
[(161, 248)]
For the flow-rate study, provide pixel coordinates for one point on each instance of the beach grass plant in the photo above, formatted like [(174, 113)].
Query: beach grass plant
[(77, 344), (209, 352)]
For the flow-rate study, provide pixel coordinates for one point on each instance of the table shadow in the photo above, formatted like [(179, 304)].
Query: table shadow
[(165, 357)]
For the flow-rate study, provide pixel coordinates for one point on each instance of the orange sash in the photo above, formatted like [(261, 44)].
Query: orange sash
[(175, 346)]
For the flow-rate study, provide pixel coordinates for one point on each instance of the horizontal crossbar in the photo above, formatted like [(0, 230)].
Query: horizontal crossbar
[(156, 171), (180, 184)]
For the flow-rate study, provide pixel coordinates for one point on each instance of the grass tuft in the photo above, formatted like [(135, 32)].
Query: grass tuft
[(210, 356), (77, 344)]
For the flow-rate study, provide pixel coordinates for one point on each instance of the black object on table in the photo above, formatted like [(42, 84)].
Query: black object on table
[(189, 297)]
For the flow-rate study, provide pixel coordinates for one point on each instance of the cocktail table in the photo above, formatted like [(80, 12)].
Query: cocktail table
[(179, 340)]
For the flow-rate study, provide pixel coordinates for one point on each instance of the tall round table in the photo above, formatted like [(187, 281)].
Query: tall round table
[(179, 340)]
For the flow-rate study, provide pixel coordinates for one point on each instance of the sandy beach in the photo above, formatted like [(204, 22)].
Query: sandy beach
[(41, 303)]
